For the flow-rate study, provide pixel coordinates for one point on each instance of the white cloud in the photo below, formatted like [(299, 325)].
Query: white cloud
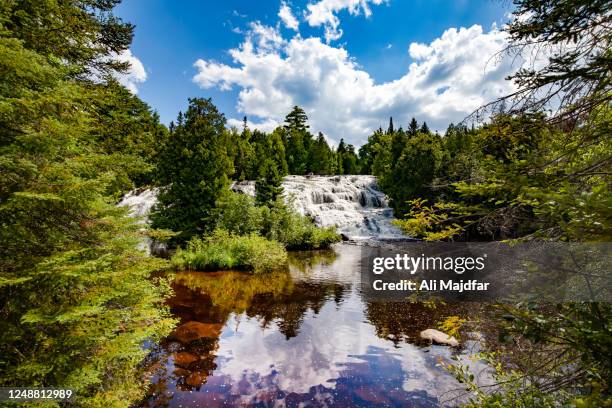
[(323, 13), (419, 51), (449, 78), (287, 17), (136, 73)]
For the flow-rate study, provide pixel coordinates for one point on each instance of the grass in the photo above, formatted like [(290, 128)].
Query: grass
[(226, 251)]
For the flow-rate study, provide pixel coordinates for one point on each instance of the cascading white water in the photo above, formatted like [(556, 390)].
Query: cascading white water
[(353, 204), (140, 202)]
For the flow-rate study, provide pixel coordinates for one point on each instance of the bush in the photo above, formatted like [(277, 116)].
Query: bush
[(224, 250), (295, 231), (238, 214)]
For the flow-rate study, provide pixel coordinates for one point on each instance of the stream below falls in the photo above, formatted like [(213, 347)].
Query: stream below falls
[(302, 338)]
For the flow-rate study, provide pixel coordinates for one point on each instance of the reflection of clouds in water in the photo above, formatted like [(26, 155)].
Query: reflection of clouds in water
[(308, 359), (334, 356), (330, 346)]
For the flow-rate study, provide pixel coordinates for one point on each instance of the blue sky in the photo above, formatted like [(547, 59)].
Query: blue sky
[(350, 63)]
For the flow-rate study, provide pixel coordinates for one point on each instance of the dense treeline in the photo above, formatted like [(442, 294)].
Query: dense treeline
[(76, 298), (539, 169), (291, 149)]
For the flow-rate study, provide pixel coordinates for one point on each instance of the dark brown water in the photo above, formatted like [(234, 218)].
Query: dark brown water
[(300, 339)]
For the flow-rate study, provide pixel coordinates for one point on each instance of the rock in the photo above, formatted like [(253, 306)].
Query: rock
[(438, 337), (196, 378), (181, 372), (344, 237), (193, 330), (184, 358)]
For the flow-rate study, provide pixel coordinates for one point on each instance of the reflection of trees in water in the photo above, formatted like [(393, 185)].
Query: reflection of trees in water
[(305, 261), (205, 301), (403, 321), (289, 309)]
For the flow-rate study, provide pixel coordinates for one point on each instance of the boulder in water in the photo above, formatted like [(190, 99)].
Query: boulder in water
[(436, 336), (191, 331), (183, 359)]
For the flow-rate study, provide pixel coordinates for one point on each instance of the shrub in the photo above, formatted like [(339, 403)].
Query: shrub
[(224, 250), (295, 231), (238, 214)]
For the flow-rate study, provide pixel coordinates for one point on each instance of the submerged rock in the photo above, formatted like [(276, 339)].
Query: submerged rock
[(436, 336), (191, 331), (183, 359)]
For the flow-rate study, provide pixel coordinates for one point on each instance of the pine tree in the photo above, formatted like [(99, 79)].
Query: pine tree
[(194, 170), (78, 300), (424, 128), (296, 120), (413, 127), (390, 129), (269, 184)]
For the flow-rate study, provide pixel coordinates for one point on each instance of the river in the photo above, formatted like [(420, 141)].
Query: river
[(304, 338)]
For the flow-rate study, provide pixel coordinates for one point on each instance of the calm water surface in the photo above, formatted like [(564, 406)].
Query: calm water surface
[(300, 339)]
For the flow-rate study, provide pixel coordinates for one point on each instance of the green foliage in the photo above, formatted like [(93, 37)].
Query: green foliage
[(128, 131), (238, 214), (406, 164), (77, 298), (347, 159), (268, 187), (548, 356), (194, 169), (519, 177), (451, 326), (224, 250), (283, 224), (83, 34)]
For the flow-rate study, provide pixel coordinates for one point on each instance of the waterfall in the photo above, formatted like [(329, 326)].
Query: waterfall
[(353, 204), (139, 203)]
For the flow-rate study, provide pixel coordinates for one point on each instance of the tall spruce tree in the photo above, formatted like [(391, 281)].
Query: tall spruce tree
[(413, 127), (77, 299), (193, 170), (296, 120), (269, 183)]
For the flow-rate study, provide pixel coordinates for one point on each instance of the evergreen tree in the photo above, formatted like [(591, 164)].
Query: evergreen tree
[(244, 153), (367, 152), (78, 302), (350, 163), (390, 129), (194, 170), (413, 127), (296, 120), (424, 128), (127, 129), (320, 156), (269, 184)]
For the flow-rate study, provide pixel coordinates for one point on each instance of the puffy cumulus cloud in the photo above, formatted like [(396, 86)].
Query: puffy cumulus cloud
[(135, 74), (287, 17), (449, 78), (323, 13)]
